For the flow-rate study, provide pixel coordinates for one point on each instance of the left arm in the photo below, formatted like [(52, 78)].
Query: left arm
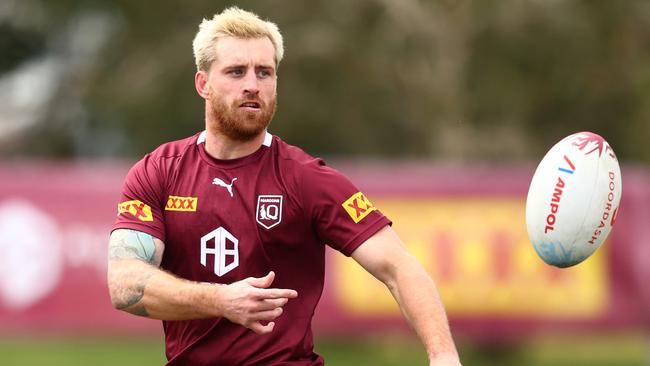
[(385, 257)]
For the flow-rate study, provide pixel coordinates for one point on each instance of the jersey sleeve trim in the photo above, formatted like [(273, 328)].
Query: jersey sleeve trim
[(371, 230)]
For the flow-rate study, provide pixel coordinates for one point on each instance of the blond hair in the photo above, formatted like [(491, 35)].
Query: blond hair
[(232, 22)]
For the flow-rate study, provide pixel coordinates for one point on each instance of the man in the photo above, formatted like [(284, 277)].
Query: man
[(208, 224)]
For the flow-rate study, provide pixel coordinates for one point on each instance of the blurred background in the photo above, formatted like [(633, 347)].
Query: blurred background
[(438, 110)]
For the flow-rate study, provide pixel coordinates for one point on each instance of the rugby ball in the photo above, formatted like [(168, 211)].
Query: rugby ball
[(573, 199)]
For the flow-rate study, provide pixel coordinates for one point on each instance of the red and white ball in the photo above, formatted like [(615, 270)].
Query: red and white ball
[(573, 199)]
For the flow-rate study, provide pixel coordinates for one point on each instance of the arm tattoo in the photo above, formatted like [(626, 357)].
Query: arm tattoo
[(131, 297), (129, 284), (131, 244)]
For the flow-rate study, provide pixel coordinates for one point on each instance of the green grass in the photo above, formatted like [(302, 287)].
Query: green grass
[(569, 350), (78, 352), (557, 350), (382, 351)]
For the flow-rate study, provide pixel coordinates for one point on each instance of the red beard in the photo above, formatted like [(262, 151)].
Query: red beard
[(236, 123)]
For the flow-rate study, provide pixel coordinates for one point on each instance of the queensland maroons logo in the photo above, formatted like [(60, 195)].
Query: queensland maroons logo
[(269, 210), (589, 140)]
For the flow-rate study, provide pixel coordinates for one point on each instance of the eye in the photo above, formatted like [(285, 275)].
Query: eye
[(235, 72), (263, 73)]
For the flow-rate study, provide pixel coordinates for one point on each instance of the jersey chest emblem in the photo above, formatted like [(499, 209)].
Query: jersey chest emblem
[(269, 210)]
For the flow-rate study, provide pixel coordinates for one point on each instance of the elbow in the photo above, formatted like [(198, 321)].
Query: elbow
[(115, 303), (406, 267), (114, 290), (121, 298), (112, 293), (388, 275), (126, 287)]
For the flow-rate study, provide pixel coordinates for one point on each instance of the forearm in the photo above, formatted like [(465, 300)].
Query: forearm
[(385, 257), (137, 285), (145, 290), (420, 303)]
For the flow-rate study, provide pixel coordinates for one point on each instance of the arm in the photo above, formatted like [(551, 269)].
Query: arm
[(385, 257), (138, 286)]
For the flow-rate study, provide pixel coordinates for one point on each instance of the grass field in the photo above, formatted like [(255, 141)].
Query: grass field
[(602, 350)]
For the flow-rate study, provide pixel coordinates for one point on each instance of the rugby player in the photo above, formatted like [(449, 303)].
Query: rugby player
[(222, 235)]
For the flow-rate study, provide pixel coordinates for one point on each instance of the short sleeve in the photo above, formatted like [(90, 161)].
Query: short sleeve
[(142, 200), (342, 216)]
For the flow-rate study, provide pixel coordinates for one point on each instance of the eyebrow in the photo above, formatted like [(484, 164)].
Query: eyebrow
[(236, 66), (243, 66)]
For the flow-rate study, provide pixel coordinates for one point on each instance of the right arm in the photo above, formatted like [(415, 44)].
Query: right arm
[(138, 286)]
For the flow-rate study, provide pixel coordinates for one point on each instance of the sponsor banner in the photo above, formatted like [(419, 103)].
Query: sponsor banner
[(470, 237), (478, 252), (178, 203), (53, 249), (136, 208), (358, 207)]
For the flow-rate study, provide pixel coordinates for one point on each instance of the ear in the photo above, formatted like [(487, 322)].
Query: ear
[(201, 84)]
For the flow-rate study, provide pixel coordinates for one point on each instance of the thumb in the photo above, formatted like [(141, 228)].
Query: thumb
[(263, 282)]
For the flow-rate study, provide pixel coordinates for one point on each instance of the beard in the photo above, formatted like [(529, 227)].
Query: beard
[(237, 124)]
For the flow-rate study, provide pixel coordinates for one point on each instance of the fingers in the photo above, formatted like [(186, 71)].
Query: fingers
[(261, 316), (275, 293), (258, 328), (267, 315), (270, 304), (252, 303), (262, 282)]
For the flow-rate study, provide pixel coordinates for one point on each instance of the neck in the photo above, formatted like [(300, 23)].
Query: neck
[(221, 147)]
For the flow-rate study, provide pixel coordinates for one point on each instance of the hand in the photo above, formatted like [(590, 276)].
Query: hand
[(250, 301), (445, 360)]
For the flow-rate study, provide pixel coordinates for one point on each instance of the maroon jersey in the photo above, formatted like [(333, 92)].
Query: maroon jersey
[(226, 220)]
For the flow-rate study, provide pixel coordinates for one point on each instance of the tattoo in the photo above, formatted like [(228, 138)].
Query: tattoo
[(139, 311), (131, 295), (131, 244), (130, 302), (128, 282)]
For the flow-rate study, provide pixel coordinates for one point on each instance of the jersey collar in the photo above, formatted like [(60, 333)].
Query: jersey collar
[(268, 139)]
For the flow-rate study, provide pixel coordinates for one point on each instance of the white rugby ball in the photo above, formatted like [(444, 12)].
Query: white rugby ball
[(573, 199)]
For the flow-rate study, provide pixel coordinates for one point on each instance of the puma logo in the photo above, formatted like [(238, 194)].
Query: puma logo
[(223, 184)]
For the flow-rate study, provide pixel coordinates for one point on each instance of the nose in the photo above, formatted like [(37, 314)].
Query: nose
[(251, 84)]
